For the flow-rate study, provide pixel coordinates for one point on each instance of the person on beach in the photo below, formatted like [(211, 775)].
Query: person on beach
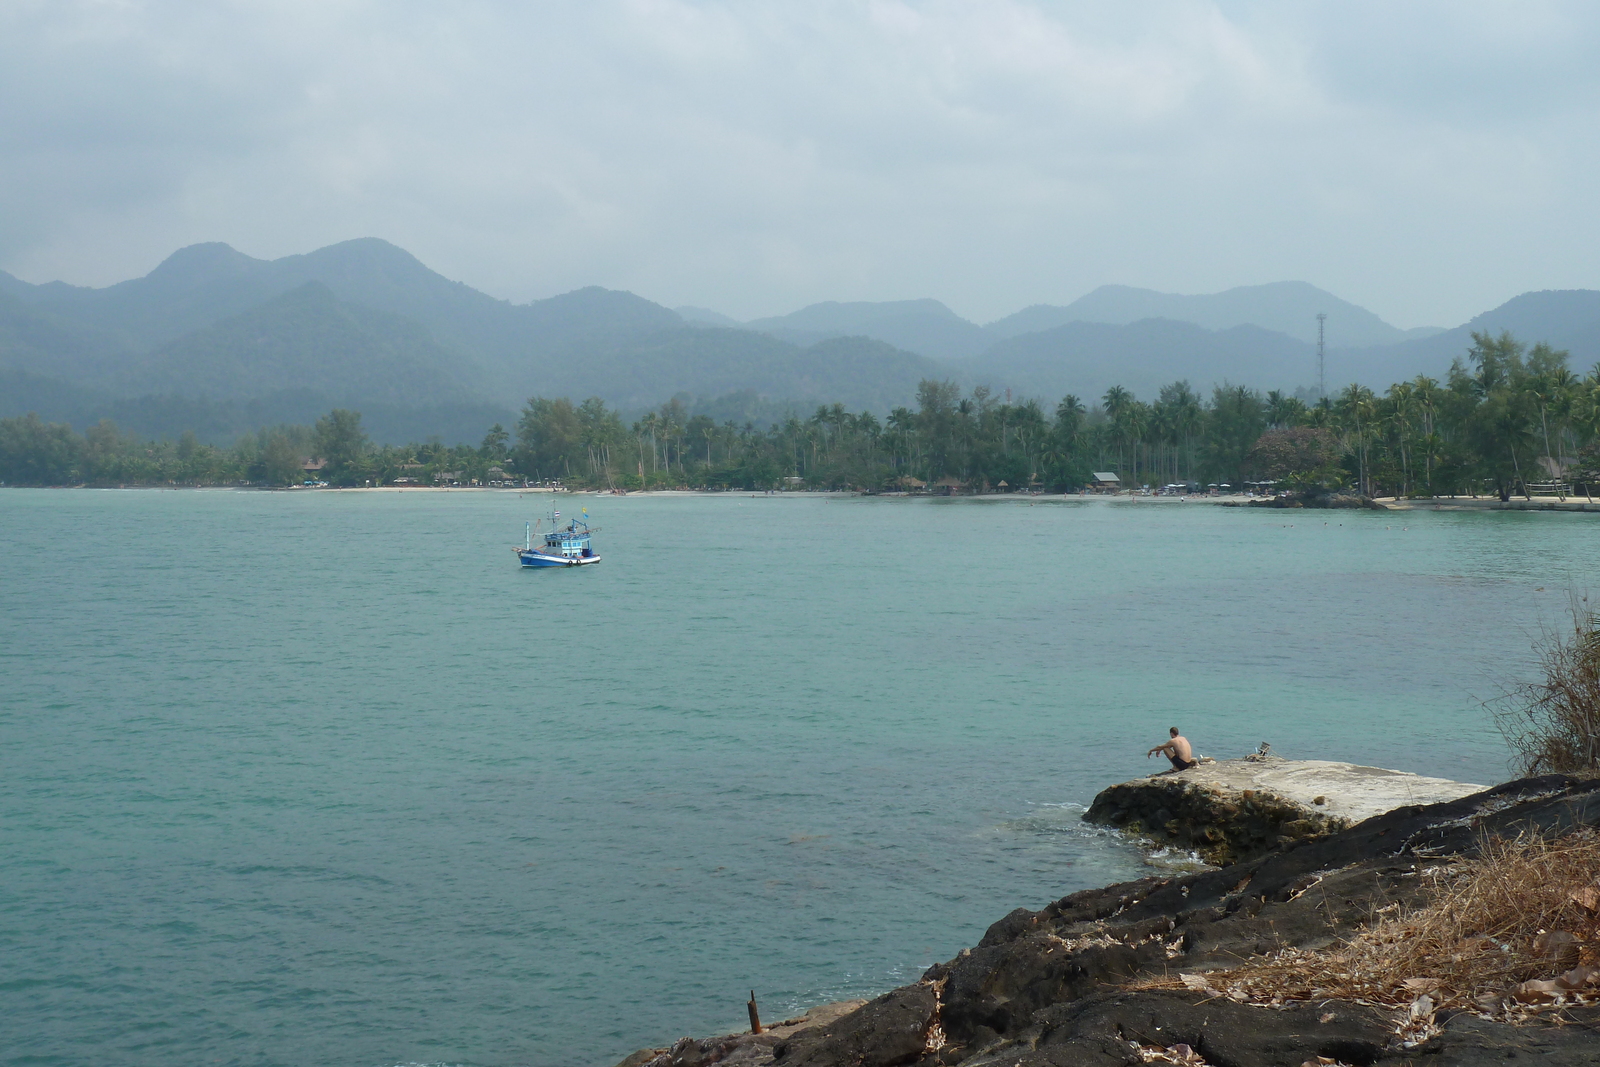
[(1177, 750)]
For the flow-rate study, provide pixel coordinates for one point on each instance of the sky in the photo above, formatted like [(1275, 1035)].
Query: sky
[(1425, 160)]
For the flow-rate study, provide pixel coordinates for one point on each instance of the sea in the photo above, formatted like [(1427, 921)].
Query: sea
[(322, 777)]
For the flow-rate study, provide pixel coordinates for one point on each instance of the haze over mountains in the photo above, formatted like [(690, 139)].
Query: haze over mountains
[(219, 342), (1287, 307)]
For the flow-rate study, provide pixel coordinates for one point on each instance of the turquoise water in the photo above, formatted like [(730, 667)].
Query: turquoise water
[(325, 778)]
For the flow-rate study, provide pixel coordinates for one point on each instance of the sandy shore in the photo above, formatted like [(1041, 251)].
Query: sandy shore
[(1489, 503)]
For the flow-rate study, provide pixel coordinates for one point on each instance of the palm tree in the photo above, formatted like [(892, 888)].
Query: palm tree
[(651, 423), (1400, 405), (1135, 429), (1425, 392), (1115, 404), (1185, 413), (902, 425), (1284, 411), (1550, 389), (1356, 408)]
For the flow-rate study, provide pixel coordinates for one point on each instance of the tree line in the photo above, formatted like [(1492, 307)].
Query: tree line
[(1505, 418), (33, 452)]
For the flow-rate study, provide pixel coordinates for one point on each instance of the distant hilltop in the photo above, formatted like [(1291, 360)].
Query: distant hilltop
[(365, 324)]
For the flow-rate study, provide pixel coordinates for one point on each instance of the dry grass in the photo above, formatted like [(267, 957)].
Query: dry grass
[(1518, 927), (1553, 725)]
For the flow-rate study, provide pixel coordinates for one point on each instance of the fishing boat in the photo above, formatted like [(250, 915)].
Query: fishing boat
[(564, 546)]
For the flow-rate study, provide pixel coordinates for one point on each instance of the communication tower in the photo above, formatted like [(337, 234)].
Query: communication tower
[(1322, 382)]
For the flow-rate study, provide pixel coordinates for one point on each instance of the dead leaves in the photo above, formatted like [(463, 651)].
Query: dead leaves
[(1417, 1024), (1510, 934), (1538, 991), (1557, 946)]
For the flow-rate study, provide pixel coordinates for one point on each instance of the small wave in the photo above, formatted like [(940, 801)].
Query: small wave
[(1177, 859), (1053, 819)]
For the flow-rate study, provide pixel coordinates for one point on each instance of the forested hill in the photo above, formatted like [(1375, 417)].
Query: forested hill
[(1087, 358), (366, 323), (212, 336), (309, 339)]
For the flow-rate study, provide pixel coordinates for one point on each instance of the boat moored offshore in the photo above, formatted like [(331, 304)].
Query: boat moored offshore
[(564, 546)]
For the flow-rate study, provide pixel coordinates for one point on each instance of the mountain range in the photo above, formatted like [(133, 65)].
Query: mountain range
[(220, 342), (1289, 308)]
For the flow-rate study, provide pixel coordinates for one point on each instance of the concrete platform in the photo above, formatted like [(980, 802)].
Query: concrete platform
[(1349, 791), (1235, 809)]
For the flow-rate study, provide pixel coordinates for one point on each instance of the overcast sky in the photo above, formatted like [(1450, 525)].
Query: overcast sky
[(1425, 160)]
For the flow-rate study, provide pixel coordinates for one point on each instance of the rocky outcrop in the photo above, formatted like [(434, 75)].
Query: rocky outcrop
[(1051, 988), (755, 1050), (1319, 499), (1233, 810), (897, 1028)]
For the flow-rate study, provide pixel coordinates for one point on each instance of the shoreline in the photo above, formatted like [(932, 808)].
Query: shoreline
[(1463, 503), (1106, 498), (1446, 503)]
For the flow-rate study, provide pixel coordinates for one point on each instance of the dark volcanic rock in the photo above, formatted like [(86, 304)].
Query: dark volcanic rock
[(886, 1032), (1048, 987), (1336, 501), (1468, 1041), (1225, 1034), (1181, 812)]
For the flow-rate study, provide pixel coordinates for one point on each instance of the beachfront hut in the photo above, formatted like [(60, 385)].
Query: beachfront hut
[(1106, 482)]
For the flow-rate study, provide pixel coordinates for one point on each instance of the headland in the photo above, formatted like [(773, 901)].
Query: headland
[(1454, 930)]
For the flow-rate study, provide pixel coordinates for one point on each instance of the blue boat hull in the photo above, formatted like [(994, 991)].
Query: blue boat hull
[(539, 559)]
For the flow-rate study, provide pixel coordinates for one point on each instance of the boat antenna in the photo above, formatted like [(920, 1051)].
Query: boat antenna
[(527, 533)]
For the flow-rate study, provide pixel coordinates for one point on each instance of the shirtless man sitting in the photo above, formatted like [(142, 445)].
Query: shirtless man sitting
[(1177, 750)]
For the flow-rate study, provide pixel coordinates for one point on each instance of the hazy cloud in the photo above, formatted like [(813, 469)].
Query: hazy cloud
[(1425, 160)]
